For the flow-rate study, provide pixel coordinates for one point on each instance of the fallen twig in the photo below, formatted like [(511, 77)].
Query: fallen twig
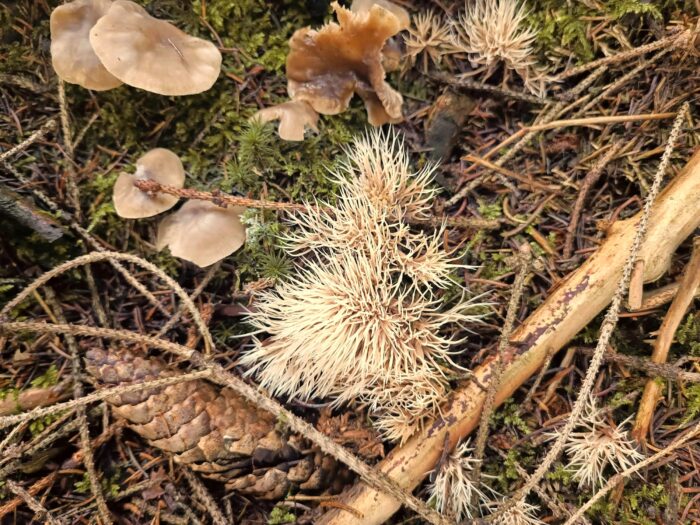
[(689, 283)]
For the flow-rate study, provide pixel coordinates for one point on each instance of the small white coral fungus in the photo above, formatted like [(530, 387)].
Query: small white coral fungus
[(597, 445), (361, 320), (453, 489), (494, 32)]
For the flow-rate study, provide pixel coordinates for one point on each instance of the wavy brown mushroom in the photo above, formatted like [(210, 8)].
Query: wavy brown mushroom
[(361, 6), (326, 67), (72, 56), (202, 232), (152, 54), (294, 116), (160, 165)]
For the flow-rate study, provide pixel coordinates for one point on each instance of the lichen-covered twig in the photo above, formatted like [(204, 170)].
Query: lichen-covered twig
[(524, 259)]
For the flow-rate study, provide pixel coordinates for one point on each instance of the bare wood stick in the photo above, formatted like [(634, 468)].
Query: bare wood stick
[(566, 311), (689, 283), (636, 291), (659, 297), (24, 212)]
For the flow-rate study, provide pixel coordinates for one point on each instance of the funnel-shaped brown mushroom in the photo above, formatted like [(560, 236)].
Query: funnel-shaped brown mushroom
[(294, 117), (72, 55), (360, 6), (326, 67), (160, 165), (202, 232), (152, 54)]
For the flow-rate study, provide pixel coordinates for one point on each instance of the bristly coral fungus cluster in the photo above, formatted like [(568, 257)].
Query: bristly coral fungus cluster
[(361, 320)]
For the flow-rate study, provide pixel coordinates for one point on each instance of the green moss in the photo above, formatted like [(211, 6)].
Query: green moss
[(280, 515), (47, 379)]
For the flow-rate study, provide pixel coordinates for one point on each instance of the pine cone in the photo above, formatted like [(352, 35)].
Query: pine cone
[(211, 429)]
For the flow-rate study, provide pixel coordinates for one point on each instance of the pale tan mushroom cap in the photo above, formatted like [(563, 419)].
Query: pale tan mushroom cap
[(326, 67), (360, 6), (152, 54), (202, 232), (294, 117), (72, 55), (160, 165)]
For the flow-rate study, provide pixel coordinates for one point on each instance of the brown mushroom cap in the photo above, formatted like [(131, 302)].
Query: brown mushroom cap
[(160, 165), (72, 55), (359, 6), (294, 116), (152, 54), (326, 67), (202, 232)]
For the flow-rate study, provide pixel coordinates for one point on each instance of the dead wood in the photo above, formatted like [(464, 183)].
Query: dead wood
[(566, 311), (24, 212), (652, 390)]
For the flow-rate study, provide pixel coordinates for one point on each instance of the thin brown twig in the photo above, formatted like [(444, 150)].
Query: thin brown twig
[(37, 487), (217, 197), (589, 180), (473, 85), (223, 199), (665, 370)]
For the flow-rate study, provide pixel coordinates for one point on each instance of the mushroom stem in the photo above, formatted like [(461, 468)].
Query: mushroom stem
[(222, 199)]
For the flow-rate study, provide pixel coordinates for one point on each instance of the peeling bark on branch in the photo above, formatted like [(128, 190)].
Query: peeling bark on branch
[(566, 311)]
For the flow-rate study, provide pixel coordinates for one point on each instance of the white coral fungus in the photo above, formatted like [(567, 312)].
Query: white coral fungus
[(430, 37), (494, 32), (453, 490), (520, 513), (598, 445), (361, 319)]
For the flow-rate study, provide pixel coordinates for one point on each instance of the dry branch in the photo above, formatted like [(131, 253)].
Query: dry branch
[(652, 390), (568, 309)]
